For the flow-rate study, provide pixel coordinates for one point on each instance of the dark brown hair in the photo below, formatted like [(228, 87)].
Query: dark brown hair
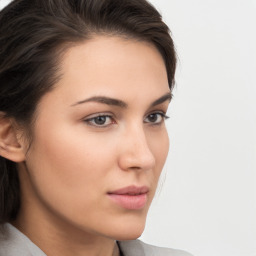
[(34, 33)]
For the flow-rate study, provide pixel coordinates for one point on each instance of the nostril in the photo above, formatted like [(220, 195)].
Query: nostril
[(136, 162), (135, 153), (135, 168)]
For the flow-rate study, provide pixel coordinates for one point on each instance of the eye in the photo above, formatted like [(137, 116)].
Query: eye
[(156, 118), (100, 120)]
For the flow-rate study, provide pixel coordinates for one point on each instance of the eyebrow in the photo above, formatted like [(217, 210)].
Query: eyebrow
[(165, 97), (120, 103)]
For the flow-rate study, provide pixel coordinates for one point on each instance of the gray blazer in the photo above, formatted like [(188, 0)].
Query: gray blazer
[(15, 243)]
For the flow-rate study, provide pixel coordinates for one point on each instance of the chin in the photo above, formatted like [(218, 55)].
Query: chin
[(130, 236), (129, 230)]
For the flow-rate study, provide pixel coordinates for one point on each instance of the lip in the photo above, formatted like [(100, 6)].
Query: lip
[(131, 197)]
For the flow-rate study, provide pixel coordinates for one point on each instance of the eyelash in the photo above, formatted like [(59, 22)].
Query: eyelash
[(91, 121)]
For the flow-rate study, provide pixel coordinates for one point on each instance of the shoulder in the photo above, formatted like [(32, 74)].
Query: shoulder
[(137, 247), (13, 242)]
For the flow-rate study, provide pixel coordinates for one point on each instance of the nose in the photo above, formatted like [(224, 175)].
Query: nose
[(135, 152)]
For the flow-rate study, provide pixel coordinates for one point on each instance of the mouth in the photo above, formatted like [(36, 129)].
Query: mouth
[(131, 197)]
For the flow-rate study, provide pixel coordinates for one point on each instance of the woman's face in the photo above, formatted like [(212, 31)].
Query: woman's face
[(99, 140)]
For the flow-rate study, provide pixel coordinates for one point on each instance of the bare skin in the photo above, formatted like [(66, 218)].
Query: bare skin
[(77, 158)]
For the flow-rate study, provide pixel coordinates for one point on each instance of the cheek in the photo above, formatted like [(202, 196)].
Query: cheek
[(65, 165), (159, 144)]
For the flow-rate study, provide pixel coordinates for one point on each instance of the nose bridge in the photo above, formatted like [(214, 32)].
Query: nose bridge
[(136, 152)]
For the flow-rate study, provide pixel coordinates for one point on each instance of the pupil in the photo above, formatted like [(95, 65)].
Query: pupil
[(100, 120), (152, 117)]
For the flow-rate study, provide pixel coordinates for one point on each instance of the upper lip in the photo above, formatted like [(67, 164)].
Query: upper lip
[(130, 190)]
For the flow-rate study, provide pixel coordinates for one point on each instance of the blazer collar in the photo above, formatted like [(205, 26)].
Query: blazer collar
[(131, 248)]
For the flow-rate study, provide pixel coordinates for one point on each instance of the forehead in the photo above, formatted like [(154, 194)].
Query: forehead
[(112, 66)]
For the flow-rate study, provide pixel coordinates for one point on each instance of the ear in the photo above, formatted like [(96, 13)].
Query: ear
[(10, 146)]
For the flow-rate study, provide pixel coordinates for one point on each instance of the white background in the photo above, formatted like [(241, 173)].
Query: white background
[(207, 203)]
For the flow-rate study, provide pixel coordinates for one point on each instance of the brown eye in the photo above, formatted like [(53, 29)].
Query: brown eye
[(100, 121), (155, 118)]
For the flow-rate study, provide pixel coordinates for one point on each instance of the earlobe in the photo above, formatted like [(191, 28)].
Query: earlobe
[(10, 147)]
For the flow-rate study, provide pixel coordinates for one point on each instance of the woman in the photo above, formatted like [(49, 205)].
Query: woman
[(84, 90)]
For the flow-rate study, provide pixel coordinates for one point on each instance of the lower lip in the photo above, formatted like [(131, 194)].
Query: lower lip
[(131, 202)]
